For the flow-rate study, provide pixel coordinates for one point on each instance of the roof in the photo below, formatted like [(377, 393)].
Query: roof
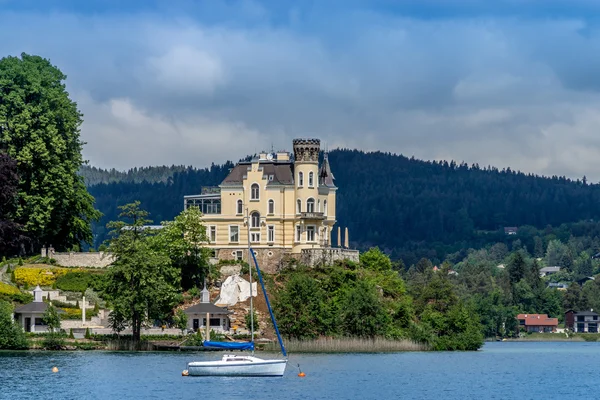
[(326, 177), (550, 269), (282, 172), (585, 312), (203, 308), (538, 320), (36, 307)]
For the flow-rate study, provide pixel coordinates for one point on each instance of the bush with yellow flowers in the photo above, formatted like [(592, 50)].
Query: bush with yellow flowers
[(43, 276)]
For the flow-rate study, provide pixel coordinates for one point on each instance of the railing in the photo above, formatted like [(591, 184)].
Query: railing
[(312, 215)]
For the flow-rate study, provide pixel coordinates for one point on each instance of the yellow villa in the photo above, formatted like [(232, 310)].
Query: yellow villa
[(286, 207)]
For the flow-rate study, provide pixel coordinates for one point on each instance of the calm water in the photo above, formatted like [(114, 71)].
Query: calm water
[(498, 371)]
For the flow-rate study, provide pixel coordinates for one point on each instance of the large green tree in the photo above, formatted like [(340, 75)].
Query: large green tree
[(39, 128), (142, 284), (11, 236), (183, 239), (12, 336)]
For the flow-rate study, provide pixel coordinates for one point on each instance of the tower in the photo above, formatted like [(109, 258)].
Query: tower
[(306, 150)]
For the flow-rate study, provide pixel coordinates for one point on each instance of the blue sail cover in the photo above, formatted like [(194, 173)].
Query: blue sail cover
[(230, 345)]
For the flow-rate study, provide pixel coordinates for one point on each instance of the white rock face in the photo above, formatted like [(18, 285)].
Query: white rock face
[(235, 289)]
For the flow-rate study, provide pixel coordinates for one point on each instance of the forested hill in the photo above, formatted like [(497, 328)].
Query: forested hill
[(408, 207)]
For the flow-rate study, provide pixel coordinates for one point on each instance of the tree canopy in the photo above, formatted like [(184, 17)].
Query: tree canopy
[(39, 129)]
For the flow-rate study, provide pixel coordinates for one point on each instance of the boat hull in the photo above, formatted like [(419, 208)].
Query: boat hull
[(233, 368)]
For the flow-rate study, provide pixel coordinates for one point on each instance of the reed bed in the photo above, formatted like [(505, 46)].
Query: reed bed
[(348, 345)]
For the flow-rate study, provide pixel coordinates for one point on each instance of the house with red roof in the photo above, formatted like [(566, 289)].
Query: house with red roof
[(537, 323)]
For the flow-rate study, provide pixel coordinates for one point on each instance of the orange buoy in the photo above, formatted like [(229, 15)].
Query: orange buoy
[(54, 369), (185, 372), (301, 374)]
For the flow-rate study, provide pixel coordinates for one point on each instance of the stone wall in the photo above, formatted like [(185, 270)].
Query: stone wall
[(312, 257), (73, 259), (269, 260)]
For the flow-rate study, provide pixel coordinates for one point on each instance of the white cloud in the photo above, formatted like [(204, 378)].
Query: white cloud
[(163, 90)]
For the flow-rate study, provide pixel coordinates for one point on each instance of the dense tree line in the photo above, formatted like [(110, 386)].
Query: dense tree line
[(410, 208)]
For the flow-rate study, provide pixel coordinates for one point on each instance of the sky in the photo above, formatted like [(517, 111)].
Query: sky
[(507, 83)]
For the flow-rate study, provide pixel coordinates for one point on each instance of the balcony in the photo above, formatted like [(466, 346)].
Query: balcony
[(312, 215)]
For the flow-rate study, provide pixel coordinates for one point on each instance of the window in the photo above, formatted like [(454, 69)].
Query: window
[(212, 235), (254, 192), (239, 255), (319, 205), (234, 233), (298, 233), (255, 223), (310, 205), (300, 179), (325, 236), (310, 233), (298, 206), (255, 237), (325, 207), (311, 177), (271, 206), (240, 207), (271, 234), (270, 177)]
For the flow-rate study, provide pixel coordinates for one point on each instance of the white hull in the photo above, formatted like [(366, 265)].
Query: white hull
[(232, 365)]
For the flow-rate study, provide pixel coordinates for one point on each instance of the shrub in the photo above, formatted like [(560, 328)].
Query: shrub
[(43, 276), (71, 336), (77, 281), (20, 262), (53, 342), (87, 333)]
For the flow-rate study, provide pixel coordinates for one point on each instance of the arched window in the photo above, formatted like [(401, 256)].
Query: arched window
[(319, 205), (255, 220), (254, 192), (271, 206), (311, 177), (300, 179), (298, 206), (325, 207), (310, 205), (240, 207)]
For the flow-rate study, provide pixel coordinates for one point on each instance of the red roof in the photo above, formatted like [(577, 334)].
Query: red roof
[(538, 320)]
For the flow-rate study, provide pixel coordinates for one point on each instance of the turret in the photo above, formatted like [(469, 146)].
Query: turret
[(307, 150)]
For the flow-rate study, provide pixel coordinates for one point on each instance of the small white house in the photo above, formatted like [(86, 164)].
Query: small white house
[(218, 317), (30, 315)]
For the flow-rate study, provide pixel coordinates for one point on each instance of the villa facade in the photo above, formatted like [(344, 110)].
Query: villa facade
[(284, 206)]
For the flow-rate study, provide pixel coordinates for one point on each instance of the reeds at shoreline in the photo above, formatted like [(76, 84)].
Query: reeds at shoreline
[(347, 345)]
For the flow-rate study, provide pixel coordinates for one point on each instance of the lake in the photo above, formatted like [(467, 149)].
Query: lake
[(501, 370)]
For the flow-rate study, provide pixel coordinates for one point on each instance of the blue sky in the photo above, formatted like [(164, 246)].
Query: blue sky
[(506, 83)]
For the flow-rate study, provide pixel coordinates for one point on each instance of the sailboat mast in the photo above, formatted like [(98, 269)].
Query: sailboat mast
[(250, 278)]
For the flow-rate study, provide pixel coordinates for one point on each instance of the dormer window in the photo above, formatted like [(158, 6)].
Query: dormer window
[(311, 179), (270, 177), (254, 192), (300, 179), (240, 207)]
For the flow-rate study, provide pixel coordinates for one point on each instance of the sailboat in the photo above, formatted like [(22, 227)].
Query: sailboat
[(241, 365)]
